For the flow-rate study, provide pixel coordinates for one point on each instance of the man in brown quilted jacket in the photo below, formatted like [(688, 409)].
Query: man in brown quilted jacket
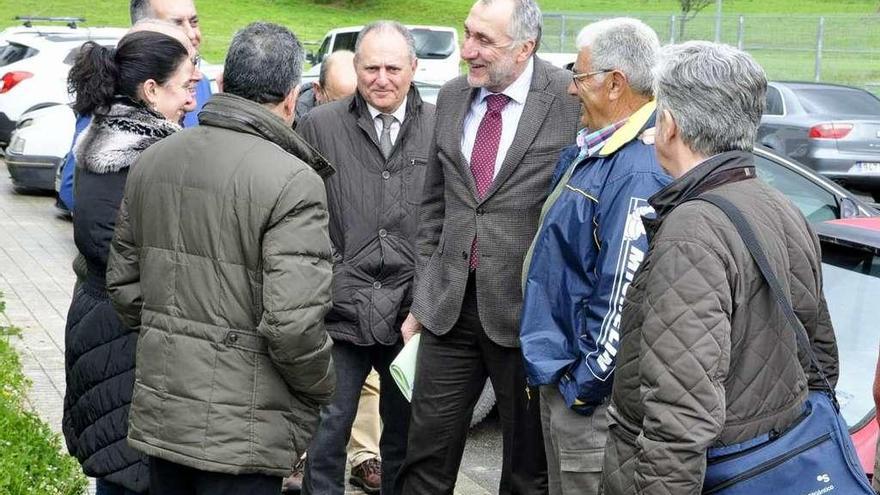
[(706, 356)]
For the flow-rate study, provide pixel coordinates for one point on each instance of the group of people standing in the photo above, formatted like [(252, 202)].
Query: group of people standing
[(240, 280)]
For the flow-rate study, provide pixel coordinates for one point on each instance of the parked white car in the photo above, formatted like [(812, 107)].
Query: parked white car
[(34, 62), (436, 48), (39, 144)]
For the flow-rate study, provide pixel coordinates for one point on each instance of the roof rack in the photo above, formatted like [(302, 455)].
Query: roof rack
[(28, 20)]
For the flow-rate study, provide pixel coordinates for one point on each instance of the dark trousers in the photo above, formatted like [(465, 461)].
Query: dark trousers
[(104, 487), (168, 478), (325, 465), (450, 374)]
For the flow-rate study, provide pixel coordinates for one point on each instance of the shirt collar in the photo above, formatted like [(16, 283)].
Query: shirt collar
[(590, 142), (398, 114), (518, 89)]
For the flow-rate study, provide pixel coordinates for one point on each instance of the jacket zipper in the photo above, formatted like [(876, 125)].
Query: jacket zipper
[(768, 465)]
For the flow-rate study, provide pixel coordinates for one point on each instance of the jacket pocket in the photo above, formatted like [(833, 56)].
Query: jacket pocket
[(256, 283), (414, 180), (581, 461), (246, 341)]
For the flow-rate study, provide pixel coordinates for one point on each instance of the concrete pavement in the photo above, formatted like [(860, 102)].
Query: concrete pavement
[(37, 282)]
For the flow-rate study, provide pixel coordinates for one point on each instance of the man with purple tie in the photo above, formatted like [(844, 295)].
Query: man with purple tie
[(498, 132)]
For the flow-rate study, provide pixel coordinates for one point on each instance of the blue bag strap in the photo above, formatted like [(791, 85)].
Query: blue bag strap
[(751, 241)]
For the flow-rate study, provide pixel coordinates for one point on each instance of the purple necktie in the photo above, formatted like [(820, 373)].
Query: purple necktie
[(484, 154)]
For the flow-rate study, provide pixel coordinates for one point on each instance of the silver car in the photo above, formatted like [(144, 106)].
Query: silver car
[(835, 130)]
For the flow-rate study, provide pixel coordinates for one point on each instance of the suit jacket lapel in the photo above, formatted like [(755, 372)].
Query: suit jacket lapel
[(535, 111)]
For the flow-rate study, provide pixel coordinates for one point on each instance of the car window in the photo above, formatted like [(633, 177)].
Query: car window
[(433, 44), (345, 41), (14, 52), (774, 102), (840, 101), (322, 52), (815, 202), (851, 281)]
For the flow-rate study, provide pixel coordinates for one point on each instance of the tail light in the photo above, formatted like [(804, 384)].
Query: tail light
[(11, 79), (833, 130)]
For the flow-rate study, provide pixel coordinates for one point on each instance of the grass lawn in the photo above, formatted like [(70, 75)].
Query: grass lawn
[(770, 24), (311, 19)]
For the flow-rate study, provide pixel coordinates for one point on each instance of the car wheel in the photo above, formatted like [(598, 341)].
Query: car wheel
[(484, 404)]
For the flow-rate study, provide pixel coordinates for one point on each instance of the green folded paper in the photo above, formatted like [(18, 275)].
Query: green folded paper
[(403, 368)]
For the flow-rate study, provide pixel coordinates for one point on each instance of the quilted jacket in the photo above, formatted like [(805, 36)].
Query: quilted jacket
[(373, 206), (221, 262), (589, 243), (706, 357)]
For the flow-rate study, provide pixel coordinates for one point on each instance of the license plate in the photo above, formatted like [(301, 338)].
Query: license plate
[(867, 167)]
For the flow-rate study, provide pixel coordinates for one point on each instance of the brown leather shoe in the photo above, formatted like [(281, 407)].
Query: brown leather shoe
[(292, 484), (367, 475)]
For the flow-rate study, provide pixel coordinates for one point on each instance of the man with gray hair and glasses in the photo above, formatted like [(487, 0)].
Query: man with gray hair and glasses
[(377, 138), (222, 261), (707, 357), (589, 243), (499, 129)]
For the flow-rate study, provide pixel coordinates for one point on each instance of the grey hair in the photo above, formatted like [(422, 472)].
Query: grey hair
[(264, 63), (625, 44), (527, 22), (139, 10), (392, 26), (715, 94)]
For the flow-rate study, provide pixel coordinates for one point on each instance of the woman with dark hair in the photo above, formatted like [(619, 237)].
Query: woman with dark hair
[(137, 94)]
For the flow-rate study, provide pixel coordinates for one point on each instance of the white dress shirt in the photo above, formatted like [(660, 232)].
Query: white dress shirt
[(398, 114), (517, 91)]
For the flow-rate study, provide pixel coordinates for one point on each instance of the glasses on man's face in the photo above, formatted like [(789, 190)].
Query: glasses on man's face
[(577, 76), (196, 59)]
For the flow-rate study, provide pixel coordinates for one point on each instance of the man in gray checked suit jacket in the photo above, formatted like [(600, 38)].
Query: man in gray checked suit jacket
[(498, 133)]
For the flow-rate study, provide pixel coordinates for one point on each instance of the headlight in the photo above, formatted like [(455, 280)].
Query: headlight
[(16, 146)]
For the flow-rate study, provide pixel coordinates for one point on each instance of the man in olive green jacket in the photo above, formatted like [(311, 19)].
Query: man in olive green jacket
[(221, 259)]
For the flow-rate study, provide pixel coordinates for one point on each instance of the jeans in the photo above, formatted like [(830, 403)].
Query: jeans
[(325, 465)]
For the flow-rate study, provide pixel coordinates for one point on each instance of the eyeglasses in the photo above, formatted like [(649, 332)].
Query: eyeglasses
[(575, 76), (196, 59)]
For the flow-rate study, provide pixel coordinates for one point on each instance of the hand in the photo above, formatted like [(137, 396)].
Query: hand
[(410, 327)]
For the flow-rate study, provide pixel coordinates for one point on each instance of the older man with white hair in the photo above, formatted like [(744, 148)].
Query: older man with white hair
[(588, 245), (707, 357)]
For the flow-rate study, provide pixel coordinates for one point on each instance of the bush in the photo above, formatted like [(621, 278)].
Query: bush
[(31, 461)]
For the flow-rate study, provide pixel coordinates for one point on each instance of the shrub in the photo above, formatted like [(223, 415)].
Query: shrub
[(31, 460)]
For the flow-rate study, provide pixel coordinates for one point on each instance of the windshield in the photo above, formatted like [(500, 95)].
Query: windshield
[(433, 44), (852, 281), (839, 101)]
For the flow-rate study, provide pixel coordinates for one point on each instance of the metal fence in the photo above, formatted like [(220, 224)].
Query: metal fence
[(832, 48)]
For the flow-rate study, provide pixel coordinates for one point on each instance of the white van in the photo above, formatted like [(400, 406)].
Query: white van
[(436, 48)]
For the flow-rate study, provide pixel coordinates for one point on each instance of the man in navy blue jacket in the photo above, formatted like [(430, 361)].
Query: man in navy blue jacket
[(588, 246), (181, 13)]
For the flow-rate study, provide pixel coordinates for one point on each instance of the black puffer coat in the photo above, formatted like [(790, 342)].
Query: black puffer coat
[(99, 349)]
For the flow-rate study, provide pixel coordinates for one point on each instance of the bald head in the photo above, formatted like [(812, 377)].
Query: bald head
[(338, 78)]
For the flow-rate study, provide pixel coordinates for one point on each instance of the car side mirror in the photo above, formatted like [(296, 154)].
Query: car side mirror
[(848, 208), (310, 56)]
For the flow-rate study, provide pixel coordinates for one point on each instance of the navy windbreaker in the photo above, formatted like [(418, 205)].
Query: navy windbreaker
[(582, 260)]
